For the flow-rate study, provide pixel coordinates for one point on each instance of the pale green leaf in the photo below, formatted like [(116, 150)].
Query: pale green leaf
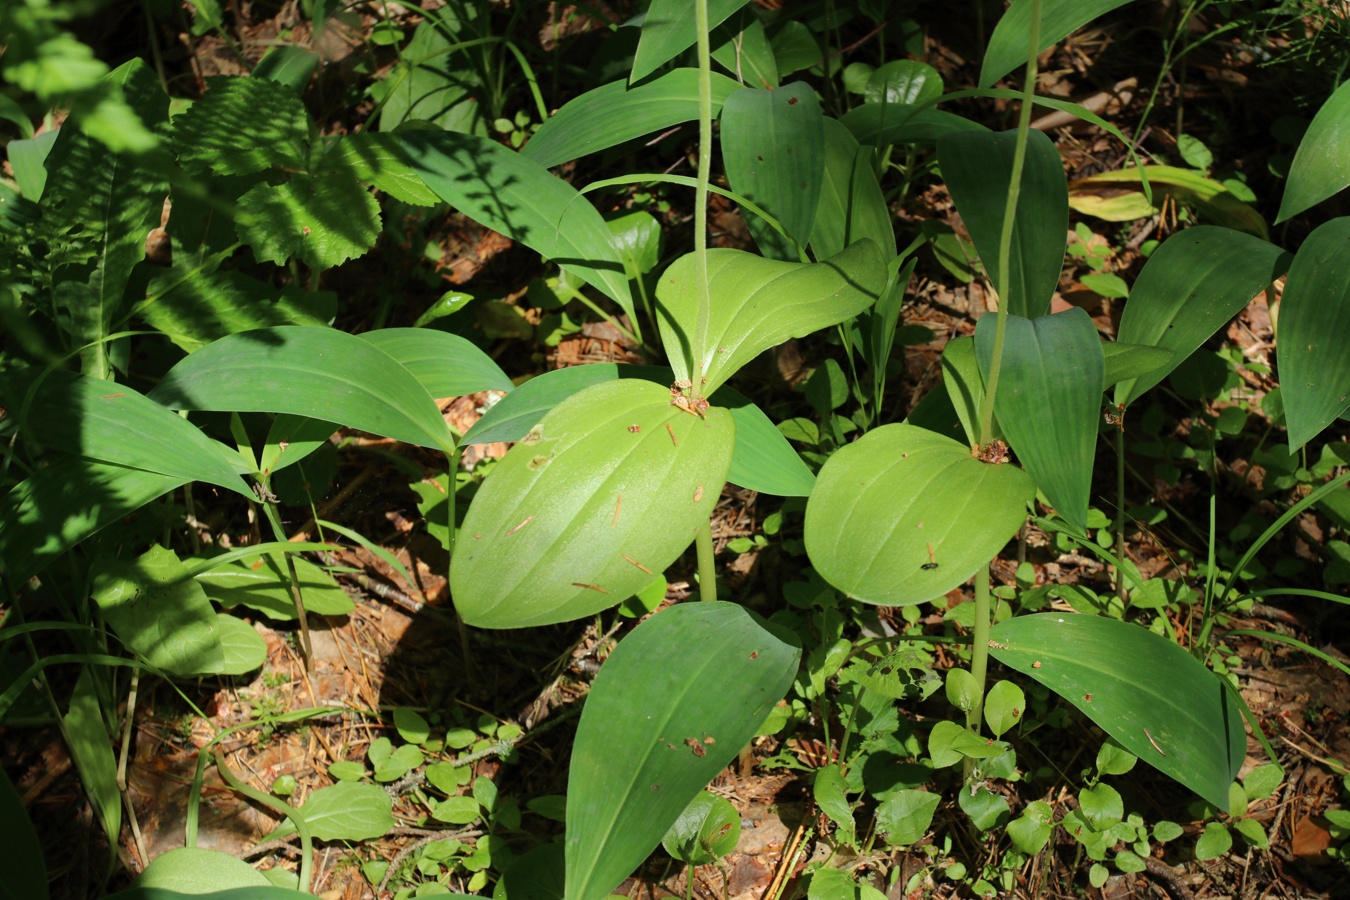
[(196, 870), (347, 811), (262, 583), (446, 364), (852, 205)]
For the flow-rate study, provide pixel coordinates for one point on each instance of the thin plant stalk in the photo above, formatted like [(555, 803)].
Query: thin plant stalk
[(979, 656), (1120, 509), (701, 194), (707, 566)]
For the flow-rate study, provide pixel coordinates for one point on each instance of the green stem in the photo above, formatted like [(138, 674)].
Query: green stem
[(707, 565), (290, 812), (1120, 509), (701, 196), (979, 656), (279, 533), (1009, 212)]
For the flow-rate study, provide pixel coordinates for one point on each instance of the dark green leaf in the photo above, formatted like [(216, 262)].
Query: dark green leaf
[(905, 82), (92, 753), (669, 29), (193, 307), (243, 125), (519, 198), (852, 205), (1010, 41), (674, 703), (607, 490), (322, 220), (432, 83), (742, 46), (706, 831), (882, 503), (1314, 333), (881, 125), (27, 881), (288, 64), (1049, 400), (978, 169), (830, 792), (905, 816), (613, 113), (1154, 698), (1132, 361), (1191, 285), (1318, 170), (773, 150), (377, 158)]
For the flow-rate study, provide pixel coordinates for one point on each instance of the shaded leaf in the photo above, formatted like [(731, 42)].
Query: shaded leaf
[(243, 125), (323, 220), (92, 753), (706, 831), (1318, 170), (1128, 361), (27, 881), (697, 675), (377, 158), (977, 167), (1059, 18), (1118, 196), (1314, 333), (193, 308), (262, 583), (883, 124), (852, 205), (669, 29)]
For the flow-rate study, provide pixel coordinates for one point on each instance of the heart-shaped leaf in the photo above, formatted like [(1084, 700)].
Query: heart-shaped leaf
[(672, 705), (604, 492), (320, 373), (1191, 285), (892, 518), (978, 170), (1154, 698), (758, 303), (773, 149), (1314, 332), (1049, 400), (852, 206)]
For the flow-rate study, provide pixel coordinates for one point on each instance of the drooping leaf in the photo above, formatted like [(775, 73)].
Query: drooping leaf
[(613, 113), (852, 205), (758, 303), (1314, 333), (261, 583), (92, 753), (741, 45), (516, 196), (1154, 698), (882, 503), (112, 423), (1059, 19), (1191, 285), (193, 308), (27, 881), (320, 373), (243, 125), (978, 169), (1118, 196), (65, 502), (1049, 400), (1318, 170), (446, 364), (675, 702), (323, 219), (669, 29), (773, 150), (762, 459), (605, 491)]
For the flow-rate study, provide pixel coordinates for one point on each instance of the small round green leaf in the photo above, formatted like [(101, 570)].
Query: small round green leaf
[(607, 490), (881, 504), (1003, 707), (963, 691), (707, 830), (1214, 842)]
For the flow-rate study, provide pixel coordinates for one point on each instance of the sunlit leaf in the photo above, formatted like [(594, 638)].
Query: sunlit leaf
[(852, 205), (1011, 38), (669, 29)]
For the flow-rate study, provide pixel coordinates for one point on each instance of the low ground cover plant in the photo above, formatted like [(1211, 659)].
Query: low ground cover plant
[(129, 379)]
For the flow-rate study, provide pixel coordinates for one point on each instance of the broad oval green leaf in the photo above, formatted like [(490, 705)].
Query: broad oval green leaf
[(906, 82), (613, 113), (1318, 170), (1191, 285), (672, 705), (1154, 698), (882, 503), (195, 870), (346, 811), (852, 205), (1315, 332), (320, 373), (978, 169), (606, 490), (111, 423), (773, 149), (1125, 361), (242, 648), (446, 364), (322, 219), (883, 124), (758, 303), (516, 196), (669, 29), (1049, 400), (706, 831), (762, 459), (65, 502), (1059, 19)]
